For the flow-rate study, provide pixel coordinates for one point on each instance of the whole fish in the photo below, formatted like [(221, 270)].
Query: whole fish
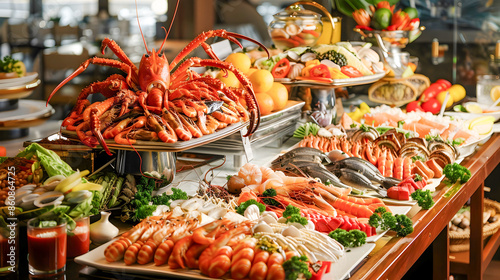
[(364, 167), (356, 179), (304, 153)]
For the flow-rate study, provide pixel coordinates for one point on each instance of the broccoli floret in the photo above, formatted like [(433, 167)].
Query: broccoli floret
[(417, 178), (296, 218), (358, 237), (424, 198), (290, 210), (144, 211), (353, 238), (296, 267), (389, 221), (241, 209), (401, 224), (267, 197), (376, 218), (404, 225), (456, 173)]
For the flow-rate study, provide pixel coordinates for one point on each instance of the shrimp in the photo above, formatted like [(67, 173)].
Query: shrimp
[(275, 258), (251, 174), (275, 272), (240, 268), (258, 271), (205, 235), (215, 261), (116, 250), (176, 259), (243, 255), (267, 173), (260, 256), (163, 252), (146, 253), (130, 256)]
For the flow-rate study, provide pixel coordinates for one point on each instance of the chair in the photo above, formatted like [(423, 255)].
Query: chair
[(66, 34), (57, 66)]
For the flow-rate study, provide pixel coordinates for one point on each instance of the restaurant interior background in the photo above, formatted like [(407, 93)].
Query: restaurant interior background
[(53, 37)]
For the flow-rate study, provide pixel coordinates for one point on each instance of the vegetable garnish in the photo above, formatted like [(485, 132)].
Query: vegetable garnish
[(456, 175), (352, 238), (424, 198), (267, 197), (281, 68), (241, 209), (296, 268), (401, 224), (9, 65), (293, 215)]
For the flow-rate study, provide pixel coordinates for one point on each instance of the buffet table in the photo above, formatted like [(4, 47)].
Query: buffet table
[(393, 259)]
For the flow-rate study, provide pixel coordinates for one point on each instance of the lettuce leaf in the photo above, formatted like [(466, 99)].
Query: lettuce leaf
[(50, 161)]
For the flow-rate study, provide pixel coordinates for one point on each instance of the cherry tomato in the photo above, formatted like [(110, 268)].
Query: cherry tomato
[(414, 106), (350, 71), (432, 105), (443, 82), (281, 69), (431, 92), (319, 71), (3, 151)]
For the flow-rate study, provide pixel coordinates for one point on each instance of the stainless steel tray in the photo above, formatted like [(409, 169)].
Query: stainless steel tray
[(168, 147), (336, 82)]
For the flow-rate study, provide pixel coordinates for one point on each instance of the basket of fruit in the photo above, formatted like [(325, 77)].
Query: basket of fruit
[(460, 225)]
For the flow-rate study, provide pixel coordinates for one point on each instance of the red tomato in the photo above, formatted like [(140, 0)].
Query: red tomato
[(320, 71), (281, 69), (446, 84), (414, 106), (431, 92), (432, 105), (350, 71), (3, 151)]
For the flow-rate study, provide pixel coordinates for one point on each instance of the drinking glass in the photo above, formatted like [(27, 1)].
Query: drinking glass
[(46, 248), (487, 89), (79, 238)]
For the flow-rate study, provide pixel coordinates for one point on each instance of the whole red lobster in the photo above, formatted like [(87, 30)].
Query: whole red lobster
[(171, 97)]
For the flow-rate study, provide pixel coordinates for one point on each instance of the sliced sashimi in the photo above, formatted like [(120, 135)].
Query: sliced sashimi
[(465, 134), (436, 125), (448, 131), (382, 118), (419, 128)]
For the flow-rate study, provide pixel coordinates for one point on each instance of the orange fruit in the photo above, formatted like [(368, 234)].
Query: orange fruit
[(265, 102), (230, 79), (241, 61), (413, 66), (279, 94), (262, 80), (251, 71)]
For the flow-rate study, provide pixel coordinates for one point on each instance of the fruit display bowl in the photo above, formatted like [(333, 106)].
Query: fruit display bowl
[(391, 39)]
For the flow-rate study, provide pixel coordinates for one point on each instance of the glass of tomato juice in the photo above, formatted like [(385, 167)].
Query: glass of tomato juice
[(46, 247), (79, 238)]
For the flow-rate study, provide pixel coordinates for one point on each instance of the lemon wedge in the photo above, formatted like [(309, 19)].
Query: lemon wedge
[(482, 125), (495, 93), (473, 108)]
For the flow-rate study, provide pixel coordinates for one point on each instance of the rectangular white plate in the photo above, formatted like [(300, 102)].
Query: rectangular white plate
[(95, 258)]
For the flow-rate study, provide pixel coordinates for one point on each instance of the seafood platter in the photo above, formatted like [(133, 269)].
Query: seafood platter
[(17, 115), (314, 211)]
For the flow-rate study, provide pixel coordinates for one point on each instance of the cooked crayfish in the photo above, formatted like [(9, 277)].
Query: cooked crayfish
[(171, 97)]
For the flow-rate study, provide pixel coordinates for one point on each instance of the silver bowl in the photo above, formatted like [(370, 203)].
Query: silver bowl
[(137, 163)]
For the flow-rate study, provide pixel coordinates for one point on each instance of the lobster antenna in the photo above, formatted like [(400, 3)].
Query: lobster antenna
[(139, 23), (170, 27)]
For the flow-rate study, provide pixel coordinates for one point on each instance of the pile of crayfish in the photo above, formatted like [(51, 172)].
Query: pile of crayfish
[(161, 101)]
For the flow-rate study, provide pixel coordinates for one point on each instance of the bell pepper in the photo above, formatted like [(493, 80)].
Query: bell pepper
[(281, 68), (413, 24), (337, 74), (361, 17), (387, 5), (400, 20), (320, 71), (318, 275), (363, 27), (309, 64), (350, 71)]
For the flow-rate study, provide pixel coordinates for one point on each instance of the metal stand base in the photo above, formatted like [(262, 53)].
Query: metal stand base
[(13, 133), (8, 104)]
